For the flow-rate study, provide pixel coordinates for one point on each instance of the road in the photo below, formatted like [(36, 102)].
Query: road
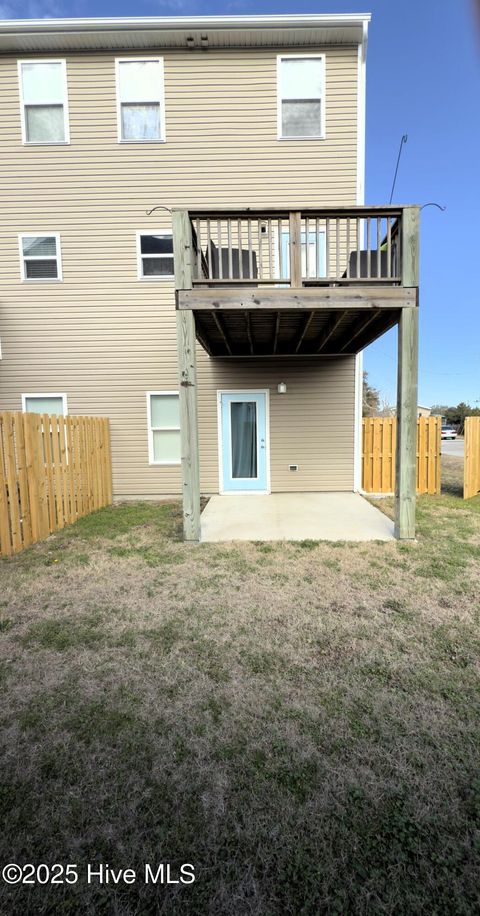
[(453, 447)]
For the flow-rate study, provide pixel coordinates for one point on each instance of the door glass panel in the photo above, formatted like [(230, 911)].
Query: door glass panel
[(244, 439), (315, 265)]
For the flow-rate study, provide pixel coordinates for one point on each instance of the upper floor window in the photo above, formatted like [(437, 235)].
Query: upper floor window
[(43, 100), (301, 96), (40, 257), (155, 255), (140, 99)]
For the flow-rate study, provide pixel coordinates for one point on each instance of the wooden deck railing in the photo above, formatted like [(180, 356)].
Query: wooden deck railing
[(53, 470), (313, 247)]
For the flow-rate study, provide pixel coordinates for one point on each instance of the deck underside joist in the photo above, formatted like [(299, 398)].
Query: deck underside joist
[(284, 322)]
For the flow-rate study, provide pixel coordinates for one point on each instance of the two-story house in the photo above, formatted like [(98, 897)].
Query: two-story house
[(245, 137)]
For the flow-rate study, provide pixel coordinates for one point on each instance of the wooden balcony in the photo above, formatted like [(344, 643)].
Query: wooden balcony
[(255, 283), (309, 282)]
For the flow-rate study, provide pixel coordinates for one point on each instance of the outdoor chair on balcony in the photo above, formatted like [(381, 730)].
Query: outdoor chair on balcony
[(232, 263), (360, 268)]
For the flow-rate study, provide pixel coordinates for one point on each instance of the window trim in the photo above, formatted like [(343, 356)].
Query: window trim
[(164, 233), (47, 394), (322, 135), (66, 114), (151, 459), (161, 99), (35, 235)]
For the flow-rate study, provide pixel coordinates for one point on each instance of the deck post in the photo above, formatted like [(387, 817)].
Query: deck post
[(295, 236), (407, 384), (187, 368)]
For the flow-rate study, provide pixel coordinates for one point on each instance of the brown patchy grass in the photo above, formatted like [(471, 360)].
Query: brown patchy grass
[(300, 721)]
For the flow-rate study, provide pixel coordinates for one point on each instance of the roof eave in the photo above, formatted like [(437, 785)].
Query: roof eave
[(142, 23), (38, 35)]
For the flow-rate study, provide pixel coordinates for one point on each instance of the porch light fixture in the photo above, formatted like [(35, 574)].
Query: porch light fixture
[(282, 388)]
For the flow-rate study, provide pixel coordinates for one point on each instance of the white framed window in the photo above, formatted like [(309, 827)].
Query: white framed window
[(40, 257), (301, 96), (163, 411), (155, 256), (140, 99), (43, 101), (55, 404)]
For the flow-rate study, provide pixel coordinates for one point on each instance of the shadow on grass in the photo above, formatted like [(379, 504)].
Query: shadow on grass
[(452, 476), (452, 487)]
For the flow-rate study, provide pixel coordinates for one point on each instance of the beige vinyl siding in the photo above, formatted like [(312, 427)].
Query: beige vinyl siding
[(311, 425), (103, 336)]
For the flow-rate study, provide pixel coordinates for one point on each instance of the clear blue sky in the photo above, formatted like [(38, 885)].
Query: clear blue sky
[(423, 80)]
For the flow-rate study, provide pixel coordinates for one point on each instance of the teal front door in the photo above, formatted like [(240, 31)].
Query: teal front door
[(244, 442)]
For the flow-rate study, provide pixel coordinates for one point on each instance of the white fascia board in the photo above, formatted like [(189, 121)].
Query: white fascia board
[(130, 34), (124, 23)]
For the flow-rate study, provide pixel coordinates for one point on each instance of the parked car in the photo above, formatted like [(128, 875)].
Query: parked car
[(448, 432)]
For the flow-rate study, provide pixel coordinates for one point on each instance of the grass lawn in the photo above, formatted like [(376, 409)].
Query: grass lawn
[(299, 721)]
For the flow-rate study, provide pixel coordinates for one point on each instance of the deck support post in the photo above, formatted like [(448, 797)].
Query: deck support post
[(187, 368), (407, 385), (295, 238)]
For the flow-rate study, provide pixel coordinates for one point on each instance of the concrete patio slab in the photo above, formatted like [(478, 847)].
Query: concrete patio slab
[(294, 517)]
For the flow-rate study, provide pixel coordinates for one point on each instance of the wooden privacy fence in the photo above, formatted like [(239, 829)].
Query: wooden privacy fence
[(471, 479), (53, 470), (378, 454)]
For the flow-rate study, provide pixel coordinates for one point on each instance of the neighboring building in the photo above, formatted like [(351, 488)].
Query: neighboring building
[(424, 411), (105, 121), (392, 411)]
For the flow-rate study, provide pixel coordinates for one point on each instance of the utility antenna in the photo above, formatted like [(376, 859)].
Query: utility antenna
[(402, 143)]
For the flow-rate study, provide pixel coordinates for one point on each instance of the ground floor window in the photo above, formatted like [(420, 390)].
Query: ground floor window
[(54, 404), (163, 409)]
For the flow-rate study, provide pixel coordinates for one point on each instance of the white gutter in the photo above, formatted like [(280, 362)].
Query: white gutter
[(126, 24)]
